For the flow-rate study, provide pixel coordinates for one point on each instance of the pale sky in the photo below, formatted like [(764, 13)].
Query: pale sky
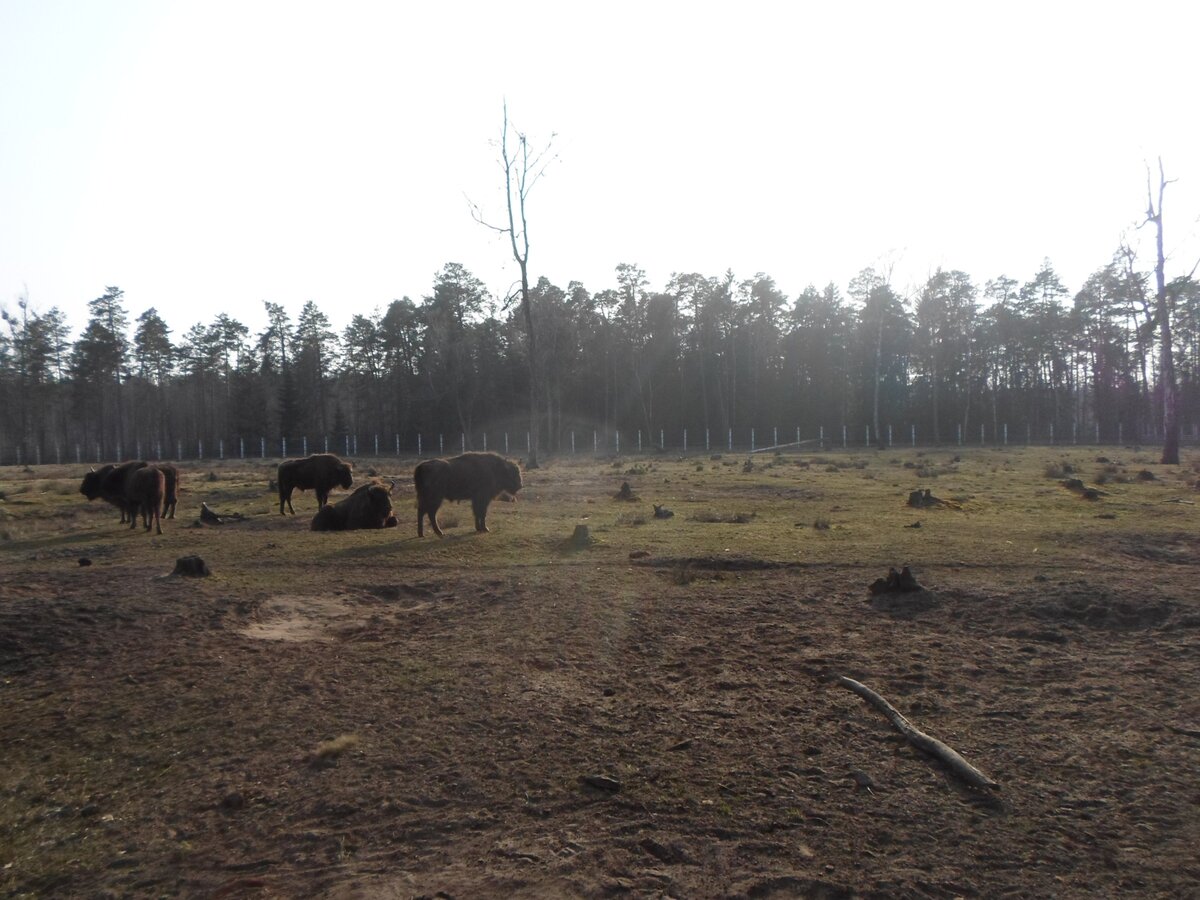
[(207, 156)]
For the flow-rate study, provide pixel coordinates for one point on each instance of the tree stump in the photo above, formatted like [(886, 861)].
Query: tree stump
[(901, 582), (191, 567), (582, 537)]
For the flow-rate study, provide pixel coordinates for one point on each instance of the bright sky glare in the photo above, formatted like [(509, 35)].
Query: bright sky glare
[(207, 156)]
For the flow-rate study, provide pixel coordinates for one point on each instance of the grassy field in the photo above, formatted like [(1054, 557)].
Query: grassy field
[(650, 712)]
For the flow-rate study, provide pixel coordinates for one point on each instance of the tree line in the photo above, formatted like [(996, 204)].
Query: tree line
[(700, 352)]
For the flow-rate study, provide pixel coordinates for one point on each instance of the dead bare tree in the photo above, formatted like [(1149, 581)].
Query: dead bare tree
[(1170, 453), (521, 172)]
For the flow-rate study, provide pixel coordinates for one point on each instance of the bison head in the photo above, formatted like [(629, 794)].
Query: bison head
[(345, 476), (91, 485), (510, 479)]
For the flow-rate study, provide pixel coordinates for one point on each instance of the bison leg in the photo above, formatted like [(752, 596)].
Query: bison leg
[(322, 498), (433, 513), (479, 506), (285, 496)]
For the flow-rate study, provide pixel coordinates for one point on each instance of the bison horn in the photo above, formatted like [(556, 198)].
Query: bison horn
[(391, 485)]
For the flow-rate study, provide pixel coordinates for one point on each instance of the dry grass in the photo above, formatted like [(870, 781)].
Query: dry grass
[(525, 630), (332, 749)]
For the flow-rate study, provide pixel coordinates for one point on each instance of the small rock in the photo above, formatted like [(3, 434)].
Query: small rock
[(639, 554), (233, 801), (862, 779), (192, 567), (84, 561), (601, 783)]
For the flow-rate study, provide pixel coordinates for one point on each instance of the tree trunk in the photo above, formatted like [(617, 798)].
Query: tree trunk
[(1170, 454)]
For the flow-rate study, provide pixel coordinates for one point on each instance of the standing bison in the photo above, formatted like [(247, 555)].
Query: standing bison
[(130, 485), (171, 495), (370, 506), (478, 477), (145, 490), (321, 472)]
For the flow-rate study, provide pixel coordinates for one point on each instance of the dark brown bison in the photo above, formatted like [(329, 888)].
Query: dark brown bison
[(128, 486), (370, 506), (321, 472), (171, 496), (478, 477), (109, 482), (145, 490)]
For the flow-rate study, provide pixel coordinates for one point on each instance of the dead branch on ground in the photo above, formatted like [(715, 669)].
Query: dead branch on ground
[(920, 739)]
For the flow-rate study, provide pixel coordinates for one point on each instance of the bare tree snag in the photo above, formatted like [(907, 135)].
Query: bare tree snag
[(1170, 454), (521, 173), (919, 739)]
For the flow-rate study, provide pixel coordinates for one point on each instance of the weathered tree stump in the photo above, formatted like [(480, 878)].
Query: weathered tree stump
[(625, 493), (901, 582), (582, 537), (191, 567)]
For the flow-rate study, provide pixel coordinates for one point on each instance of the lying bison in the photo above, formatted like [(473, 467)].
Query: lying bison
[(128, 485), (321, 472), (370, 506), (478, 477)]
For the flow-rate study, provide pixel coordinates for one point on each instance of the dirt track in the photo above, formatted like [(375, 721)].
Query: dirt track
[(170, 736)]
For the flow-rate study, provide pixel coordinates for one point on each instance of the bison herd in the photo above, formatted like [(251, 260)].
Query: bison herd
[(152, 490)]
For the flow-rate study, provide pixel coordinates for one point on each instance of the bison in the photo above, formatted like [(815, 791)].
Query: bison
[(478, 477), (127, 485), (321, 472), (171, 494), (370, 506), (109, 483), (145, 490)]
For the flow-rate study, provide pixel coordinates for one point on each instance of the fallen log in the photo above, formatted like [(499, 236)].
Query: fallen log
[(920, 739)]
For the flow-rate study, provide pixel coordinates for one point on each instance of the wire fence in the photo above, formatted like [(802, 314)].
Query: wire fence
[(596, 442)]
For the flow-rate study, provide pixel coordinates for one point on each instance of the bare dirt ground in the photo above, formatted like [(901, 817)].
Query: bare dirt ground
[(368, 715)]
